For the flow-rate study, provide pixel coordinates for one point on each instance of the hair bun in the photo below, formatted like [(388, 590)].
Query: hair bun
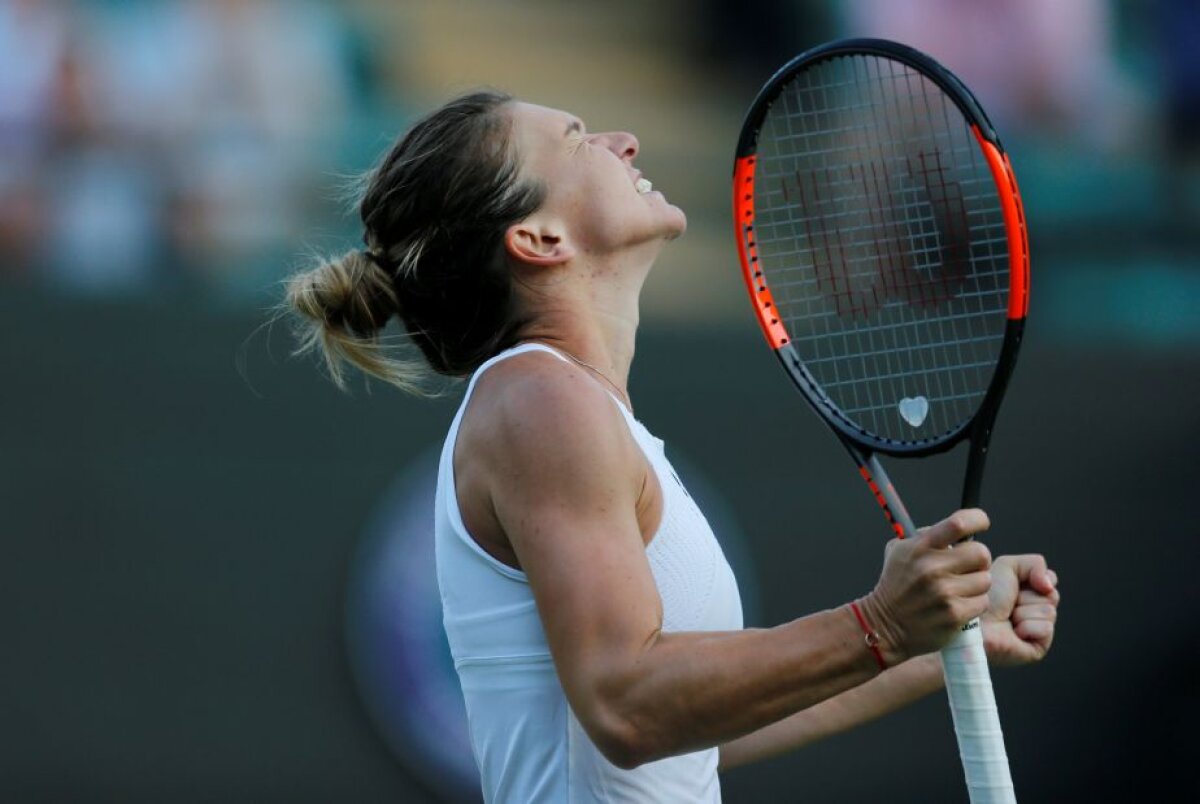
[(342, 305), (351, 293)]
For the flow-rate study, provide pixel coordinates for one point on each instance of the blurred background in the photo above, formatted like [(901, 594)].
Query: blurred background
[(215, 580)]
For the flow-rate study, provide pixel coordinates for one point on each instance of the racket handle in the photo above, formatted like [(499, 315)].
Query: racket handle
[(964, 663), (976, 720)]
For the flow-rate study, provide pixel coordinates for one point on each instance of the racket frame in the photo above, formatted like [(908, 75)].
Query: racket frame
[(861, 443)]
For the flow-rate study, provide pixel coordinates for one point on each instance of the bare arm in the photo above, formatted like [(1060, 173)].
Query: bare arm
[(887, 692), (1018, 629), (564, 478)]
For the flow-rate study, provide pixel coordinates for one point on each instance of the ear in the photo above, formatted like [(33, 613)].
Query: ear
[(536, 244)]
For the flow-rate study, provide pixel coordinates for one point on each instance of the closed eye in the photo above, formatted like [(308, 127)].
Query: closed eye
[(576, 134)]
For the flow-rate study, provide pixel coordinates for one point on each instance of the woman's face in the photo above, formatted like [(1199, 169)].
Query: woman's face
[(592, 186)]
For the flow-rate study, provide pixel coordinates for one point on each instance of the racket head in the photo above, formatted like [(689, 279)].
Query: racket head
[(883, 244)]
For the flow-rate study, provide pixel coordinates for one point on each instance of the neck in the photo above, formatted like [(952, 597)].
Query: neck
[(609, 349), (589, 310), (601, 342)]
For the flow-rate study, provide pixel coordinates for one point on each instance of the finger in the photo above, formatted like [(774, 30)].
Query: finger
[(1029, 566), (1030, 596), (1034, 611), (892, 545), (1040, 579), (1031, 572), (955, 528), (1039, 632), (946, 563), (969, 585), (973, 556), (965, 559), (969, 608)]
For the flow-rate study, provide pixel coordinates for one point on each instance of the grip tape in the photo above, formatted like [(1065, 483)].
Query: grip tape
[(976, 721)]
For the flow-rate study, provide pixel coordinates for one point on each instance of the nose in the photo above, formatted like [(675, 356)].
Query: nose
[(621, 143)]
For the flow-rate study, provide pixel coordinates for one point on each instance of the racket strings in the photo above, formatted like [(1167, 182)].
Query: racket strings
[(882, 239)]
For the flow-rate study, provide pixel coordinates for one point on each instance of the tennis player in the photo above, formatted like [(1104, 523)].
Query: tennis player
[(594, 622)]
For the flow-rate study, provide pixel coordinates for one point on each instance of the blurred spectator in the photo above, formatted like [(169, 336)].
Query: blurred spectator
[(1037, 66), (267, 83), (33, 41), (166, 140)]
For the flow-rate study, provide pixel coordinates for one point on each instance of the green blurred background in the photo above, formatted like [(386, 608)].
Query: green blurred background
[(189, 518)]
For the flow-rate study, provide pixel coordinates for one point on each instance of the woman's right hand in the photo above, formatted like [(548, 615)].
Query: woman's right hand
[(928, 591)]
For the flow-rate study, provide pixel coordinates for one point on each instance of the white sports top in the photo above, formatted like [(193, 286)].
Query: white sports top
[(527, 743)]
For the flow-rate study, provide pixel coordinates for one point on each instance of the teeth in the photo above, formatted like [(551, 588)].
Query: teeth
[(643, 186)]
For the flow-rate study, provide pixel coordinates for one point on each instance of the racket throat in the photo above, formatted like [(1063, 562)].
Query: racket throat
[(976, 459), (881, 486)]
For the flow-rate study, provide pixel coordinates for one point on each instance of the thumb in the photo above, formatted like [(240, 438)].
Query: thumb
[(1032, 570), (954, 528), (1043, 580)]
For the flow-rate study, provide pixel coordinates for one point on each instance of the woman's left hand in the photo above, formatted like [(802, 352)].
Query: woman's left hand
[(1018, 626)]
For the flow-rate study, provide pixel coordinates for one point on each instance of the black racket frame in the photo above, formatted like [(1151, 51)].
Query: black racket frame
[(862, 444)]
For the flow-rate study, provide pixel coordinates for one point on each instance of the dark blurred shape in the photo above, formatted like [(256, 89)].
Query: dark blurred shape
[(1178, 50), (403, 669), (1179, 54), (754, 38)]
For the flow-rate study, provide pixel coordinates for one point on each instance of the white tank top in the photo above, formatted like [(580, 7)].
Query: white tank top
[(527, 743)]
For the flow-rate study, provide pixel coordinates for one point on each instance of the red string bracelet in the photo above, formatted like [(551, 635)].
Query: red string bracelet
[(870, 637)]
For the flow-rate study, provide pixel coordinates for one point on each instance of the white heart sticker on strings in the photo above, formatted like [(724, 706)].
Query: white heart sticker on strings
[(914, 410)]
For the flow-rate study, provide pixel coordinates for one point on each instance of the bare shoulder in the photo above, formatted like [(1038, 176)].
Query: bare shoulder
[(544, 449), (535, 411)]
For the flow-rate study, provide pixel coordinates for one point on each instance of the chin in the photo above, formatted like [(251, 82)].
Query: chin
[(675, 234), (678, 225)]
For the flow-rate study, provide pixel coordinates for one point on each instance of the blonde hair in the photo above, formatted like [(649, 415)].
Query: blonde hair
[(434, 212), (344, 304)]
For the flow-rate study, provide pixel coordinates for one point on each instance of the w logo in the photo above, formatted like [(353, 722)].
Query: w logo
[(908, 243)]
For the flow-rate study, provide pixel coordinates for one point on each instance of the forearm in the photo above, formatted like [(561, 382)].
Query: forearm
[(887, 692), (694, 690)]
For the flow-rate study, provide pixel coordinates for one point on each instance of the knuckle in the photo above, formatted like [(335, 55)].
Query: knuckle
[(985, 555), (1033, 612), (975, 555), (943, 595), (938, 586)]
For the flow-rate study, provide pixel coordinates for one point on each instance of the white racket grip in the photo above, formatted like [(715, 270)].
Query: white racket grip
[(976, 720)]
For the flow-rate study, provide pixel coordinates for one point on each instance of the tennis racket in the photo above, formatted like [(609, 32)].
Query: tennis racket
[(883, 243)]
